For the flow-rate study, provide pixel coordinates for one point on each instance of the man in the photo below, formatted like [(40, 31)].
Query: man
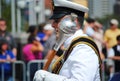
[(82, 63), (89, 30), (114, 54), (111, 34), (7, 36)]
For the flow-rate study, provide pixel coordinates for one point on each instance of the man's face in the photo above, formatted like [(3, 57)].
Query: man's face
[(55, 25), (2, 25), (113, 26)]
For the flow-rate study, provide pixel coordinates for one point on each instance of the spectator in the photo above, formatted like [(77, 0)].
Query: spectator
[(7, 36), (111, 34), (49, 45), (92, 30), (114, 54), (47, 32), (33, 30), (98, 32), (6, 58), (33, 51)]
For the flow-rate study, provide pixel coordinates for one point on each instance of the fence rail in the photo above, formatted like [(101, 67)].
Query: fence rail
[(40, 63), (33, 62), (25, 70)]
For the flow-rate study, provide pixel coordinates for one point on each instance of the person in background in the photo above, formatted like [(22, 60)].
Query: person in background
[(6, 58), (111, 34), (98, 32), (48, 30), (32, 51), (5, 34), (45, 34), (110, 41), (32, 30), (88, 29), (51, 39), (114, 54)]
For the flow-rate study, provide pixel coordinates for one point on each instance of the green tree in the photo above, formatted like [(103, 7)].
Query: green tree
[(105, 20), (6, 14)]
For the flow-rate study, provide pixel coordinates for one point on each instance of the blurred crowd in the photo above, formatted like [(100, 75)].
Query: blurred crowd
[(42, 39)]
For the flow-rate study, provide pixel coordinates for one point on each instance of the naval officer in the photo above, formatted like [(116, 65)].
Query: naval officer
[(81, 60)]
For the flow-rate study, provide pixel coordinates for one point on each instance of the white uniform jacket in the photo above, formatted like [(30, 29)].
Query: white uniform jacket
[(81, 65)]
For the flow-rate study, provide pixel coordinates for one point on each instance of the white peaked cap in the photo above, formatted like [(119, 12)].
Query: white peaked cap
[(64, 7), (72, 5)]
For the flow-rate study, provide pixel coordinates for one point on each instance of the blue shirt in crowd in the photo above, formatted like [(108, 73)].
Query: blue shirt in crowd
[(7, 66), (41, 36)]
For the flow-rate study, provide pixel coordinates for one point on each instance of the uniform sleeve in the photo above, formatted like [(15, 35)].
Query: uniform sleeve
[(84, 66)]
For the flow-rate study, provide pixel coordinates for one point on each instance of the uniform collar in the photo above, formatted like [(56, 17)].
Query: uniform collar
[(69, 40)]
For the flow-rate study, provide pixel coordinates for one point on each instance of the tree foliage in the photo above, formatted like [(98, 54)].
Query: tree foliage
[(105, 20), (6, 14)]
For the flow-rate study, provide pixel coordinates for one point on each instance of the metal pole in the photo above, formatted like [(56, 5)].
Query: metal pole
[(2, 71), (18, 20), (0, 8), (13, 16), (32, 62), (13, 73), (32, 14), (41, 17), (24, 70)]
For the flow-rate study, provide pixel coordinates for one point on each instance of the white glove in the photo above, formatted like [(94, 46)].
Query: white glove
[(54, 77), (40, 75)]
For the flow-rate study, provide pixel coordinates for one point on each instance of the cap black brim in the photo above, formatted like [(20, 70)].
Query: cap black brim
[(57, 16)]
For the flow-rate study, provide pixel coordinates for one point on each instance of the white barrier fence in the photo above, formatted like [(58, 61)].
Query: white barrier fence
[(25, 69), (40, 63)]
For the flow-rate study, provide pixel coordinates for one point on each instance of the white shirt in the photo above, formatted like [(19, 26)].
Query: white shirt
[(111, 53), (81, 65)]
